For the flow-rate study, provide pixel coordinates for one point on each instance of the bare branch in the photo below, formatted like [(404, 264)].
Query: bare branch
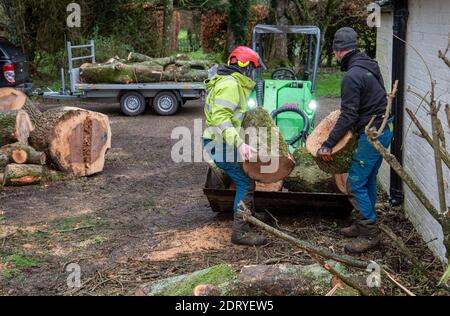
[(447, 112), (443, 55)]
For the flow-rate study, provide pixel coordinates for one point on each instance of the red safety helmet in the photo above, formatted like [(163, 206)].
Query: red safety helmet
[(243, 56)]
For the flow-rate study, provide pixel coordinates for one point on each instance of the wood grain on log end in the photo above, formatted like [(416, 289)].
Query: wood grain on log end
[(275, 170), (11, 99)]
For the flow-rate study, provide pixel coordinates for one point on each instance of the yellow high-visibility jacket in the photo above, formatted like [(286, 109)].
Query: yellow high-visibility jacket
[(226, 106)]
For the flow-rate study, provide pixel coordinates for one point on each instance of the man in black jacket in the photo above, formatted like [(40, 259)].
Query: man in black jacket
[(363, 97)]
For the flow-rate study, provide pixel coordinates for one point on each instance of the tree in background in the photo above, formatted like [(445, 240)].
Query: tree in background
[(238, 13)]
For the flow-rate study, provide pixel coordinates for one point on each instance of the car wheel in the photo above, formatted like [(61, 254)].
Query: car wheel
[(166, 104), (132, 104)]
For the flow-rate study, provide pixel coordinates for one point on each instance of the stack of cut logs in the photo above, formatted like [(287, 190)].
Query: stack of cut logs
[(301, 172), (72, 141)]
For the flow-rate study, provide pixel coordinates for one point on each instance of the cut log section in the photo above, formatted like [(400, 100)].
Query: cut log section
[(75, 140), (271, 164), (11, 99), (308, 177), (21, 175), (15, 126), (342, 152), (23, 154)]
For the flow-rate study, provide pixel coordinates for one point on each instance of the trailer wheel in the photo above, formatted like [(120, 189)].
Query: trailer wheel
[(132, 104), (166, 104)]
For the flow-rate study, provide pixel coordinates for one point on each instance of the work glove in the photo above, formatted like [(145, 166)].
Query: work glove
[(325, 153)]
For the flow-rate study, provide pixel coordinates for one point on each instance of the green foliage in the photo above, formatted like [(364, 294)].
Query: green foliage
[(329, 85), (238, 12)]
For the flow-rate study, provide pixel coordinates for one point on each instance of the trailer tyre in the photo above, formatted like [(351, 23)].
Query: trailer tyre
[(166, 104), (132, 104)]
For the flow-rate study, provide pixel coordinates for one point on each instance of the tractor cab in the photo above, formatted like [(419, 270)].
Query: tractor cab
[(287, 94)]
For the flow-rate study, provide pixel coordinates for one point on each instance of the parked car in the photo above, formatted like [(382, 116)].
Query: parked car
[(13, 67)]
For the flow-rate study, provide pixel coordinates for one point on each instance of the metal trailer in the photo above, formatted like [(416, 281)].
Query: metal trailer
[(165, 97)]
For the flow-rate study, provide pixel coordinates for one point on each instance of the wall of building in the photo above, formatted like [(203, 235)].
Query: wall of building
[(428, 31)]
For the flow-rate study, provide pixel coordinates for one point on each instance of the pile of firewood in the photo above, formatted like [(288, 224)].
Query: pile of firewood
[(138, 68), (32, 143)]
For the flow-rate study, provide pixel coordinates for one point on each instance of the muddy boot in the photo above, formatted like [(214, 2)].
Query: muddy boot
[(353, 230), (369, 238), (243, 234)]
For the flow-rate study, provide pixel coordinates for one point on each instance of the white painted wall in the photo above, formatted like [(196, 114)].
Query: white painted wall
[(428, 30)]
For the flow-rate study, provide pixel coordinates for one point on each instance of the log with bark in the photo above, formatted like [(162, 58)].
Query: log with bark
[(21, 175), (23, 154), (342, 152), (308, 177), (14, 100), (139, 58), (273, 161), (15, 126), (75, 140), (153, 70), (4, 160)]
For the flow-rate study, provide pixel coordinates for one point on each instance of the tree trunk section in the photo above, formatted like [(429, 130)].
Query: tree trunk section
[(15, 126), (273, 162), (75, 140), (23, 154), (21, 175), (280, 47), (308, 177), (342, 152), (11, 99), (4, 160)]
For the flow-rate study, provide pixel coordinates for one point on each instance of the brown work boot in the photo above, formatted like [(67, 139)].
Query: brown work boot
[(353, 230), (369, 238), (244, 236)]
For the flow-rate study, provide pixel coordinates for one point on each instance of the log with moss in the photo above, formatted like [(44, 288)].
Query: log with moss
[(139, 58), (21, 175), (23, 154), (273, 161), (342, 152), (75, 140), (15, 126), (4, 160), (162, 70), (308, 177)]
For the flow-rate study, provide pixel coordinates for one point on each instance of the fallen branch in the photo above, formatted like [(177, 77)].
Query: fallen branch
[(390, 277), (403, 249), (424, 134), (314, 252)]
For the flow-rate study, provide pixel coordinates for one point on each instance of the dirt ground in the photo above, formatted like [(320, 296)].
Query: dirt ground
[(146, 218)]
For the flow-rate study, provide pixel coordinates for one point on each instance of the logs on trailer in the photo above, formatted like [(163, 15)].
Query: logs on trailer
[(15, 126), (272, 164), (342, 152), (144, 69), (308, 177), (21, 175), (75, 140), (23, 154), (11, 99)]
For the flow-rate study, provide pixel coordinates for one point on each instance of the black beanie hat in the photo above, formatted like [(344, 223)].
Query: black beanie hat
[(345, 39)]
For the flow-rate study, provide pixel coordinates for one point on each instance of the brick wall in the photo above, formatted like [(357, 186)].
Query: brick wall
[(428, 29)]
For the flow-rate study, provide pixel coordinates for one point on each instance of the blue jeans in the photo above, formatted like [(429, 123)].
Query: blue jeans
[(226, 158), (362, 180)]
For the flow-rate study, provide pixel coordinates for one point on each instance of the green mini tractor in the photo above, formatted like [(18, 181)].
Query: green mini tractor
[(288, 96)]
